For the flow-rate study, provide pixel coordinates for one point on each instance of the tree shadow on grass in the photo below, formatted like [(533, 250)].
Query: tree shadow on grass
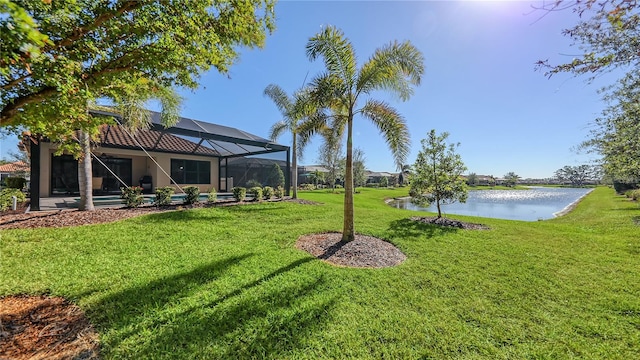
[(406, 228), (182, 216), (248, 208), (182, 316)]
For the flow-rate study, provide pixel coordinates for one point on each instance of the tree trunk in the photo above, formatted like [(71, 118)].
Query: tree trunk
[(85, 174), (294, 152), (348, 232)]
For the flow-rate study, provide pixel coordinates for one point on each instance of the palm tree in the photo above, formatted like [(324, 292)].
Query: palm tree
[(396, 67), (295, 111), (129, 100), (403, 175)]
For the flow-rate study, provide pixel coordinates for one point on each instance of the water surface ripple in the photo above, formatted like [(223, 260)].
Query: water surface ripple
[(535, 203)]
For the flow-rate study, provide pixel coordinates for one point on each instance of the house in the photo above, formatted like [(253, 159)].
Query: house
[(375, 177), (14, 169), (193, 152), (308, 174)]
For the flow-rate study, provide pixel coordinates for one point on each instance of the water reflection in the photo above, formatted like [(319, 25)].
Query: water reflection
[(536, 203)]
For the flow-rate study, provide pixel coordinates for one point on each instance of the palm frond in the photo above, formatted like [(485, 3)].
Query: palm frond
[(130, 100), (277, 129), (171, 105), (279, 97), (396, 67), (336, 51), (392, 127), (329, 91)]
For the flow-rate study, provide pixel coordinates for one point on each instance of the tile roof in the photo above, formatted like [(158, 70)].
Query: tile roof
[(14, 167), (151, 140)]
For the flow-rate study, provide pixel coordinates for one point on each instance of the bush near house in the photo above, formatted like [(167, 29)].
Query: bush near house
[(192, 195), (132, 196), (633, 194), (256, 191), (213, 195), (267, 192), (6, 197), (278, 192), (16, 182), (239, 193), (163, 196)]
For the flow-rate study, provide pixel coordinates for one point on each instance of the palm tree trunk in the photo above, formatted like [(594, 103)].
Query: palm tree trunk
[(85, 174), (294, 152), (348, 231)]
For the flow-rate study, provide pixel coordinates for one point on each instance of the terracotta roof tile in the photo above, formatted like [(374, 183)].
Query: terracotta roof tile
[(14, 167)]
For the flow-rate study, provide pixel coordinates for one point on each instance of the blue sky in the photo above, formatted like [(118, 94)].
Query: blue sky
[(479, 85)]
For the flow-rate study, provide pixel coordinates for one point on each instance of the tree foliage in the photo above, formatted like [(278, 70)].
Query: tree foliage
[(437, 173), (276, 176), (95, 49), (616, 133), (297, 111), (578, 175), (607, 36), (20, 38), (472, 179), (331, 158), (359, 168), (343, 87), (511, 179)]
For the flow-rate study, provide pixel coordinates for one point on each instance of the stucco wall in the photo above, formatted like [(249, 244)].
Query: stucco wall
[(164, 160), (140, 162)]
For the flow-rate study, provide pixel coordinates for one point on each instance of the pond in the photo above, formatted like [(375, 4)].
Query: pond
[(535, 203)]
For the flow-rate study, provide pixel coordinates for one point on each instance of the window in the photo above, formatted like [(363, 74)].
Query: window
[(191, 171)]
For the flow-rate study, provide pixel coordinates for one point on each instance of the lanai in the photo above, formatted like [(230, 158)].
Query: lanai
[(222, 142)]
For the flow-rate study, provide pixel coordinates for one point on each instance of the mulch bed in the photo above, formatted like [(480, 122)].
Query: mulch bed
[(63, 218), (42, 327), (363, 252), (450, 223)]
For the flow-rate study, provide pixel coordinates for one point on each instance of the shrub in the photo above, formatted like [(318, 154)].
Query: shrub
[(192, 195), (253, 183), (163, 196), (15, 182), (6, 200), (384, 181), (239, 193), (132, 196), (372, 185), (256, 191), (278, 192), (307, 187), (635, 195), (338, 186), (267, 192), (213, 196), (276, 176)]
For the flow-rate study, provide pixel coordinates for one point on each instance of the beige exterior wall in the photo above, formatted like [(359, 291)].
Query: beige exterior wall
[(164, 160), (140, 162), (46, 149)]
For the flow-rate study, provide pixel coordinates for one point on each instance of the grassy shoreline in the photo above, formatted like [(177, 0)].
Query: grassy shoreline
[(227, 283)]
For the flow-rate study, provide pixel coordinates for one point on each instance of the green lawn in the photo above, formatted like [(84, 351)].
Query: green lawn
[(228, 283)]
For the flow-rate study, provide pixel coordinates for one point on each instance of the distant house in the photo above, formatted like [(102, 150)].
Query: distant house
[(306, 173), (376, 176), (192, 152), (14, 169)]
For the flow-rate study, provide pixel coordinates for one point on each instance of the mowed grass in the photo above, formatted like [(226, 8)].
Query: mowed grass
[(228, 283)]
